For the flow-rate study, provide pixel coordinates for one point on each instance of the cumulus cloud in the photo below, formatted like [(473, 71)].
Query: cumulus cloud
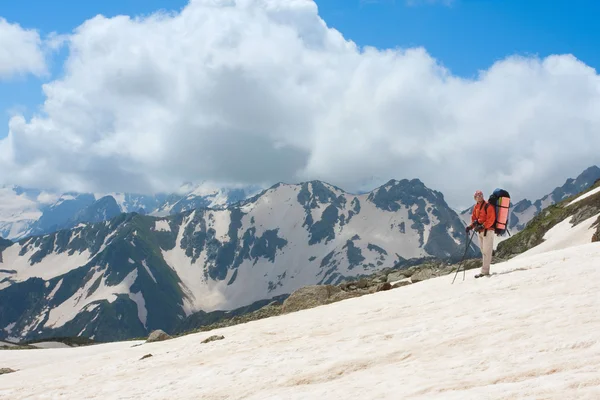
[(20, 51), (263, 91)]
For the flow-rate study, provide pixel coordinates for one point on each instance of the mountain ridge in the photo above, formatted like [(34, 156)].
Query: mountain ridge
[(23, 214), (154, 272), (523, 211)]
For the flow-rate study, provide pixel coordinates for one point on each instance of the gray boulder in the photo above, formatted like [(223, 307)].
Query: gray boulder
[(422, 275), (400, 284), (396, 276), (6, 371), (309, 297), (158, 336), (213, 338)]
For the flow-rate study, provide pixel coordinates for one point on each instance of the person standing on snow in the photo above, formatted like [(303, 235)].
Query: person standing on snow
[(483, 219)]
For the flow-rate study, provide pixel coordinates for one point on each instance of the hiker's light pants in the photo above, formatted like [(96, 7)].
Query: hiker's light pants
[(486, 244)]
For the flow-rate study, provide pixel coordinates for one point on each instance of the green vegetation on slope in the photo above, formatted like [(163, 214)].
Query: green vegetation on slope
[(535, 230)]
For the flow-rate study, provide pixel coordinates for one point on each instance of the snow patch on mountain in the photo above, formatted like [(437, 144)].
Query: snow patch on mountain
[(9, 327), (162, 225), (138, 299), (56, 287), (200, 292), (94, 290), (219, 221), (120, 199), (145, 265), (585, 196), (21, 266)]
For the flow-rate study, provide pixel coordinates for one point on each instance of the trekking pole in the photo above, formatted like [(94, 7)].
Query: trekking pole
[(463, 258)]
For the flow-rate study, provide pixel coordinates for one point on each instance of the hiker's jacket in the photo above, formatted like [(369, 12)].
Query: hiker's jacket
[(485, 214)]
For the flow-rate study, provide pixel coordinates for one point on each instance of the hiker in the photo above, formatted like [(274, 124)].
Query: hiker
[(483, 220)]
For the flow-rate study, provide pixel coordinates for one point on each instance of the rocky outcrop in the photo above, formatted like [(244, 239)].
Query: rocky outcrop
[(6, 371), (270, 310), (158, 336), (309, 297), (213, 338)]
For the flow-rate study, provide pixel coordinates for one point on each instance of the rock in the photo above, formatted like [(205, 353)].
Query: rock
[(384, 286), (309, 297), (400, 284), (446, 270), (396, 276), (146, 356), (213, 338), (362, 284), (344, 295), (158, 336), (409, 272), (270, 310), (422, 275), (6, 371), (380, 279)]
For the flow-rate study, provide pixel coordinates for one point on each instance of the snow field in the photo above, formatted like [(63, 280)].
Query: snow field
[(54, 264), (526, 332)]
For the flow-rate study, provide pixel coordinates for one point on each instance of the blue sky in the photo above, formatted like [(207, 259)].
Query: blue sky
[(467, 36), (401, 99)]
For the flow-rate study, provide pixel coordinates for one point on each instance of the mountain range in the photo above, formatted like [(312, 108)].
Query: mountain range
[(525, 332), (31, 212), (118, 266), (124, 277)]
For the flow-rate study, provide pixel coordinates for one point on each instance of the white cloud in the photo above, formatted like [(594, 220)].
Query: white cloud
[(47, 198), (262, 91), (20, 51)]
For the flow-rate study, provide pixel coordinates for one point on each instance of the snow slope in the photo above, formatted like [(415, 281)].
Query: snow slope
[(299, 235), (585, 196), (565, 235), (528, 334), (53, 265)]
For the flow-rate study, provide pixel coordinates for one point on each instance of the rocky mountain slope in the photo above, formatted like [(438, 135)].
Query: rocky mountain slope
[(555, 225), (124, 277), (525, 210)]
